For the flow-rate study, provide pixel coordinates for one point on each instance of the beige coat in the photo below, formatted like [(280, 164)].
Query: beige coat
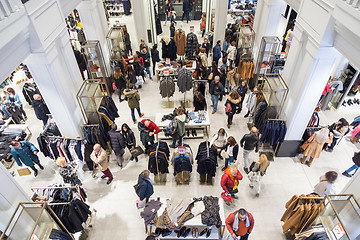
[(180, 41), (101, 159), (313, 148), (204, 59), (231, 78)]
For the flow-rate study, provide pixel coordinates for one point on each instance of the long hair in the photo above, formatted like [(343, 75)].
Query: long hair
[(127, 127), (322, 135), (264, 162), (117, 72)]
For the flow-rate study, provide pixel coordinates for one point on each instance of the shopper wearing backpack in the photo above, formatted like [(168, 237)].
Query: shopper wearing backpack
[(133, 99), (179, 126)]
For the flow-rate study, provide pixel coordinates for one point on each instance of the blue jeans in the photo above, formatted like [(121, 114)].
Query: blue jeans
[(227, 85), (148, 71), (229, 160), (175, 137), (215, 100), (133, 113), (352, 168)]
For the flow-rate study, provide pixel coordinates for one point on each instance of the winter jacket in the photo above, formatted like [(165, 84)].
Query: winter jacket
[(234, 104), (204, 59), (251, 141), (40, 110), (16, 99), (216, 89), (155, 55), (172, 31), (251, 102), (242, 91), (68, 175), (207, 47), (161, 152), (206, 159), (144, 134), (182, 163), (129, 138), (231, 53), (101, 159), (226, 181), (179, 124), (180, 41), (167, 87), (25, 154), (199, 106), (229, 222), (152, 127), (231, 78), (146, 187), (132, 97), (146, 58), (117, 141), (191, 43), (184, 80), (217, 51), (120, 82)]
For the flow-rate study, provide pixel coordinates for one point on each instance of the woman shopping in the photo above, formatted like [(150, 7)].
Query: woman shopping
[(146, 185), (314, 145), (339, 129), (326, 185), (129, 138), (119, 81), (231, 152), (257, 170), (219, 141), (11, 96), (133, 99), (231, 106), (179, 127)]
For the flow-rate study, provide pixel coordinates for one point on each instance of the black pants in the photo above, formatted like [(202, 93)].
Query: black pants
[(216, 60), (230, 118), (148, 147), (232, 192), (154, 64), (332, 145), (22, 111), (203, 32), (187, 16)]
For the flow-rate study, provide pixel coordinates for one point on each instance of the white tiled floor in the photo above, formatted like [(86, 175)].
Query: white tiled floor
[(115, 203)]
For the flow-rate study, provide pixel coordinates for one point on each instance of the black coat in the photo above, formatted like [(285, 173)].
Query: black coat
[(117, 141), (155, 55), (216, 89), (40, 110), (129, 138), (206, 159)]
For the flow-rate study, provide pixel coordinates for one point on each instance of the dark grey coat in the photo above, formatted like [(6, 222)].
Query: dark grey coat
[(117, 141)]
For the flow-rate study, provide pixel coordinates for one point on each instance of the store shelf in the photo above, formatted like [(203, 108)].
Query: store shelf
[(214, 235), (200, 134)]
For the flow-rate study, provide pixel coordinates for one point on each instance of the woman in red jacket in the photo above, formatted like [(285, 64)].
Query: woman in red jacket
[(230, 180)]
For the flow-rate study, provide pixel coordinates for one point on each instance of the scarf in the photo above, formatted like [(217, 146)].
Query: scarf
[(236, 222), (235, 181)]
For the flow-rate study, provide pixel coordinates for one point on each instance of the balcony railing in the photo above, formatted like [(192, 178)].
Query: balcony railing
[(7, 7), (354, 3)]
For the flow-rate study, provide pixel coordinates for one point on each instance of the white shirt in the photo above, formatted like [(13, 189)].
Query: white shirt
[(229, 150), (324, 187)]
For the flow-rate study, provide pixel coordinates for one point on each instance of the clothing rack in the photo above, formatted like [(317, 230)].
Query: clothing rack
[(70, 187), (57, 137)]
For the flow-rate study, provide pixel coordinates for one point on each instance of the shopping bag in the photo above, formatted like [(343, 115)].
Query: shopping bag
[(226, 196), (140, 204), (139, 80), (137, 189), (24, 171), (114, 86), (136, 151)]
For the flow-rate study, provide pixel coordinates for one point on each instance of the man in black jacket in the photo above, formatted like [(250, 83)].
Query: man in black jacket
[(154, 57), (41, 110), (216, 90), (117, 144), (251, 141), (146, 57)]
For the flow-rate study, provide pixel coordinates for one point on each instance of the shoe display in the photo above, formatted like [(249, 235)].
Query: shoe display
[(109, 181), (166, 232), (208, 232), (186, 233), (203, 232), (158, 231), (188, 132), (181, 232)]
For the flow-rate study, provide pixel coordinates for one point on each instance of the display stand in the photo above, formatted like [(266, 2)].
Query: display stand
[(96, 65), (168, 104), (269, 47), (116, 43), (340, 217), (205, 178), (113, 9), (33, 221), (159, 178), (89, 98)]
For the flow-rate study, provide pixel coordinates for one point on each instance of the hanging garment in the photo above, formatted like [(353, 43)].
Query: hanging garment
[(10, 109), (180, 41), (191, 43), (259, 114), (29, 90), (246, 69), (159, 158), (127, 6), (172, 49), (206, 159), (210, 216), (184, 80), (273, 132), (167, 87)]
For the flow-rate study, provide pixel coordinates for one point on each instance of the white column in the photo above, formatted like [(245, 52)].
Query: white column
[(267, 20), (306, 72), (58, 78), (220, 20), (138, 14), (93, 19)]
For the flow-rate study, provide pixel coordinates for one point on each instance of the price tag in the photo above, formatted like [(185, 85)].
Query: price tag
[(282, 55), (166, 72), (191, 28), (182, 150), (168, 61), (338, 231)]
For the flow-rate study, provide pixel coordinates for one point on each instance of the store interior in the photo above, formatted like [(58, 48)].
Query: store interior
[(113, 207)]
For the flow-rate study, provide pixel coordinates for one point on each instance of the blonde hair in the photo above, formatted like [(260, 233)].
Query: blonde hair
[(61, 162), (264, 162), (233, 170)]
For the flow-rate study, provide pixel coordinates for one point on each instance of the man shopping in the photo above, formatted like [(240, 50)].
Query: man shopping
[(216, 90), (249, 142)]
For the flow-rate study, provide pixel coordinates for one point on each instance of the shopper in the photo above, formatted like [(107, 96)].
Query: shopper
[(231, 106), (127, 42), (199, 102), (249, 142), (230, 78), (217, 52), (120, 81), (146, 185), (172, 15), (155, 57), (326, 185), (231, 52), (179, 127), (25, 152), (216, 90), (242, 89), (214, 70), (172, 30), (186, 9), (133, 98), (67, 172), (129, 138), (146, 58), (203, 24), (240, 223), (251, 102), (339, 130), (314, 145), (147, 130), (132, 76), (11, 96), (143, 45), (231, 152), (206, 45), (41, 110), (117, 144), (219, 141), (257, 170), (230, 180), (226, 43), (101, 160), (167, 11), (203, 57), (356, 160)]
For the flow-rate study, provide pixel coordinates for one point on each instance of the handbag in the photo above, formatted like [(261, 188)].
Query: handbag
[(24, 171), (137, 189), (140, 204), (114, 86), (226, 196), (210, 76), (136, 151)]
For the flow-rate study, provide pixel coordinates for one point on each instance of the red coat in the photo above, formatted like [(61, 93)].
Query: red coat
[(227, 182), (152, 126), (327, 89)]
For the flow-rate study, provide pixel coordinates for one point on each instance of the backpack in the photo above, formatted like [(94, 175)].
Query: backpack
[(171, 128)]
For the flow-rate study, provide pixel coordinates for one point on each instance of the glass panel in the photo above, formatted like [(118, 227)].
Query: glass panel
[(44, 226), (25, 223)]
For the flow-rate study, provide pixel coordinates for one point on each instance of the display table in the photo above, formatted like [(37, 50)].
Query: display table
[(191, 125), (195, 222), (172, 71)]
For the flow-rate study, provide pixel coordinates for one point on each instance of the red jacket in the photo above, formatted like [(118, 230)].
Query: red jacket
[(327, 89), (230, 221), (152, 126), (141, 61), (227, 182)]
